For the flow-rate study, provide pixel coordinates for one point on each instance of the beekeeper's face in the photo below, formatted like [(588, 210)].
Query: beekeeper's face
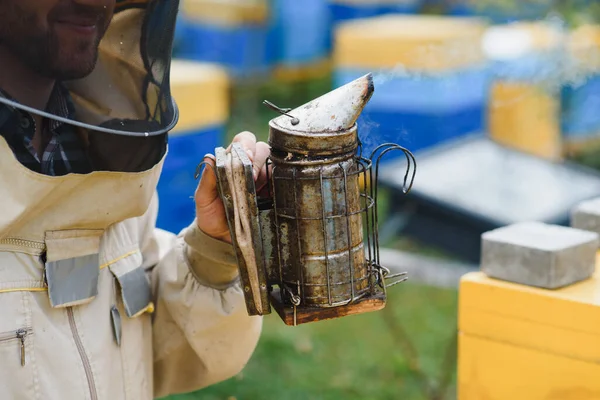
[(56, 38)]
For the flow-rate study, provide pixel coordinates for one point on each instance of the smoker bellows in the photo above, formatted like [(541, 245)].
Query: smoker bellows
[(309, 247)]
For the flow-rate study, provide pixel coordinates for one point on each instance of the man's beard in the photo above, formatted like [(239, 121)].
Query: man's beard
[(40, 49)]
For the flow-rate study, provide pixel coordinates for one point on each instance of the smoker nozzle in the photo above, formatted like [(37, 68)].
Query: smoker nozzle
[(335, 111)]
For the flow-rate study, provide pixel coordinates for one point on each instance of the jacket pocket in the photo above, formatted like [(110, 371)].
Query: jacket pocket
[(133, 281), (17, 363), (72, 266), (17, 339)]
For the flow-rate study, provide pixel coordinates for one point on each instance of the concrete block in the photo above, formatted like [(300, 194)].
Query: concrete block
[(586, 216), (538, 254)]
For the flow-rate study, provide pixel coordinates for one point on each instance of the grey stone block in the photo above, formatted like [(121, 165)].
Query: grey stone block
[(586, 216), (538, 254)]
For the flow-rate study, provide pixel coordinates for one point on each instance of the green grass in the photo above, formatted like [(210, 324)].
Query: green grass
[(357, 357)]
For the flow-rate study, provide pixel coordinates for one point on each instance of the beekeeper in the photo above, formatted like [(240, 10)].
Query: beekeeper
[(95, 302)]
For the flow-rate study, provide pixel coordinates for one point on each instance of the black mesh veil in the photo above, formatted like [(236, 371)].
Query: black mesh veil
[(128, 92)]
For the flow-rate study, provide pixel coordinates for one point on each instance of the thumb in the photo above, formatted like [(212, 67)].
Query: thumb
[(207, 191)]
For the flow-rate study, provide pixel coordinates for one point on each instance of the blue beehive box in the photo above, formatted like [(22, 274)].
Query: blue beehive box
[(232, 33), (201, 93), (430, 76), (299, 39), (179, 36), (581, 95), (300, 31), (343, 10)]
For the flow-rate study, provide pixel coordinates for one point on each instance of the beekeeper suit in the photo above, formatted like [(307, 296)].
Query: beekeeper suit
[(95, 302)]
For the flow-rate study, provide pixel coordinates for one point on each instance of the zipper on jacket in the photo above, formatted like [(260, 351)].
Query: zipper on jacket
[(19, 335), (84, 358), (24, 243)]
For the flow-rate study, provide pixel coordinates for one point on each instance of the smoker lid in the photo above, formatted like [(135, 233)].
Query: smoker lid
[(325, 125), (336, 111), (476, 176)]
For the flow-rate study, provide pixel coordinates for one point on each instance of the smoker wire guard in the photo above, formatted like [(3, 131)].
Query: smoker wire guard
[(285, 299)]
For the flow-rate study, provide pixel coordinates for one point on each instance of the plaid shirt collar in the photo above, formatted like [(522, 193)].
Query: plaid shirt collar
[(62, 154)]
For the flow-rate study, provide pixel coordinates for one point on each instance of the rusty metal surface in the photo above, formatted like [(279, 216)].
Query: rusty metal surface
[(269, 242), (319, 226), (304, 144)]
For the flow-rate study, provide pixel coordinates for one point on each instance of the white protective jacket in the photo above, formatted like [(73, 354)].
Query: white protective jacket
[(95, 302), (194, 330)]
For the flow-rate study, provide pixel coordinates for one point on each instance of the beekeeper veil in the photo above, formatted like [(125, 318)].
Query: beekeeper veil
[(126, 99)]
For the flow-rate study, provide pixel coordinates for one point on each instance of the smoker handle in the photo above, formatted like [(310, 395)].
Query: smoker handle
[(237, 191), (402, 278), (383, 274)]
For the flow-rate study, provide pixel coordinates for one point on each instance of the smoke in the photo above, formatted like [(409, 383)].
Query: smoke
[(369, 129), (371, 135), (381, 77), (368, 133)]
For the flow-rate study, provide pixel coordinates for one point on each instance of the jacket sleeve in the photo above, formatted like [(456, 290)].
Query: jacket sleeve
[(202, 333)]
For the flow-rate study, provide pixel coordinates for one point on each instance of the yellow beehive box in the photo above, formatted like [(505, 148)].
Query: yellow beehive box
[(524, 106), (522, 343), (201, 91), (421, 43), (526, 117), (226, 12)]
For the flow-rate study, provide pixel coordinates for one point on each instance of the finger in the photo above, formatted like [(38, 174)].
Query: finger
[(262, 153), (207, 191), (248, 142)]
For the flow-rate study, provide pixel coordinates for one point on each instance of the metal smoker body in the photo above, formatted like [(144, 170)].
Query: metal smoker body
[(311, 257)]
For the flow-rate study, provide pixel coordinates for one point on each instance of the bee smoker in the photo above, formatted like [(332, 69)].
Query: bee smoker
[(309, 248)]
